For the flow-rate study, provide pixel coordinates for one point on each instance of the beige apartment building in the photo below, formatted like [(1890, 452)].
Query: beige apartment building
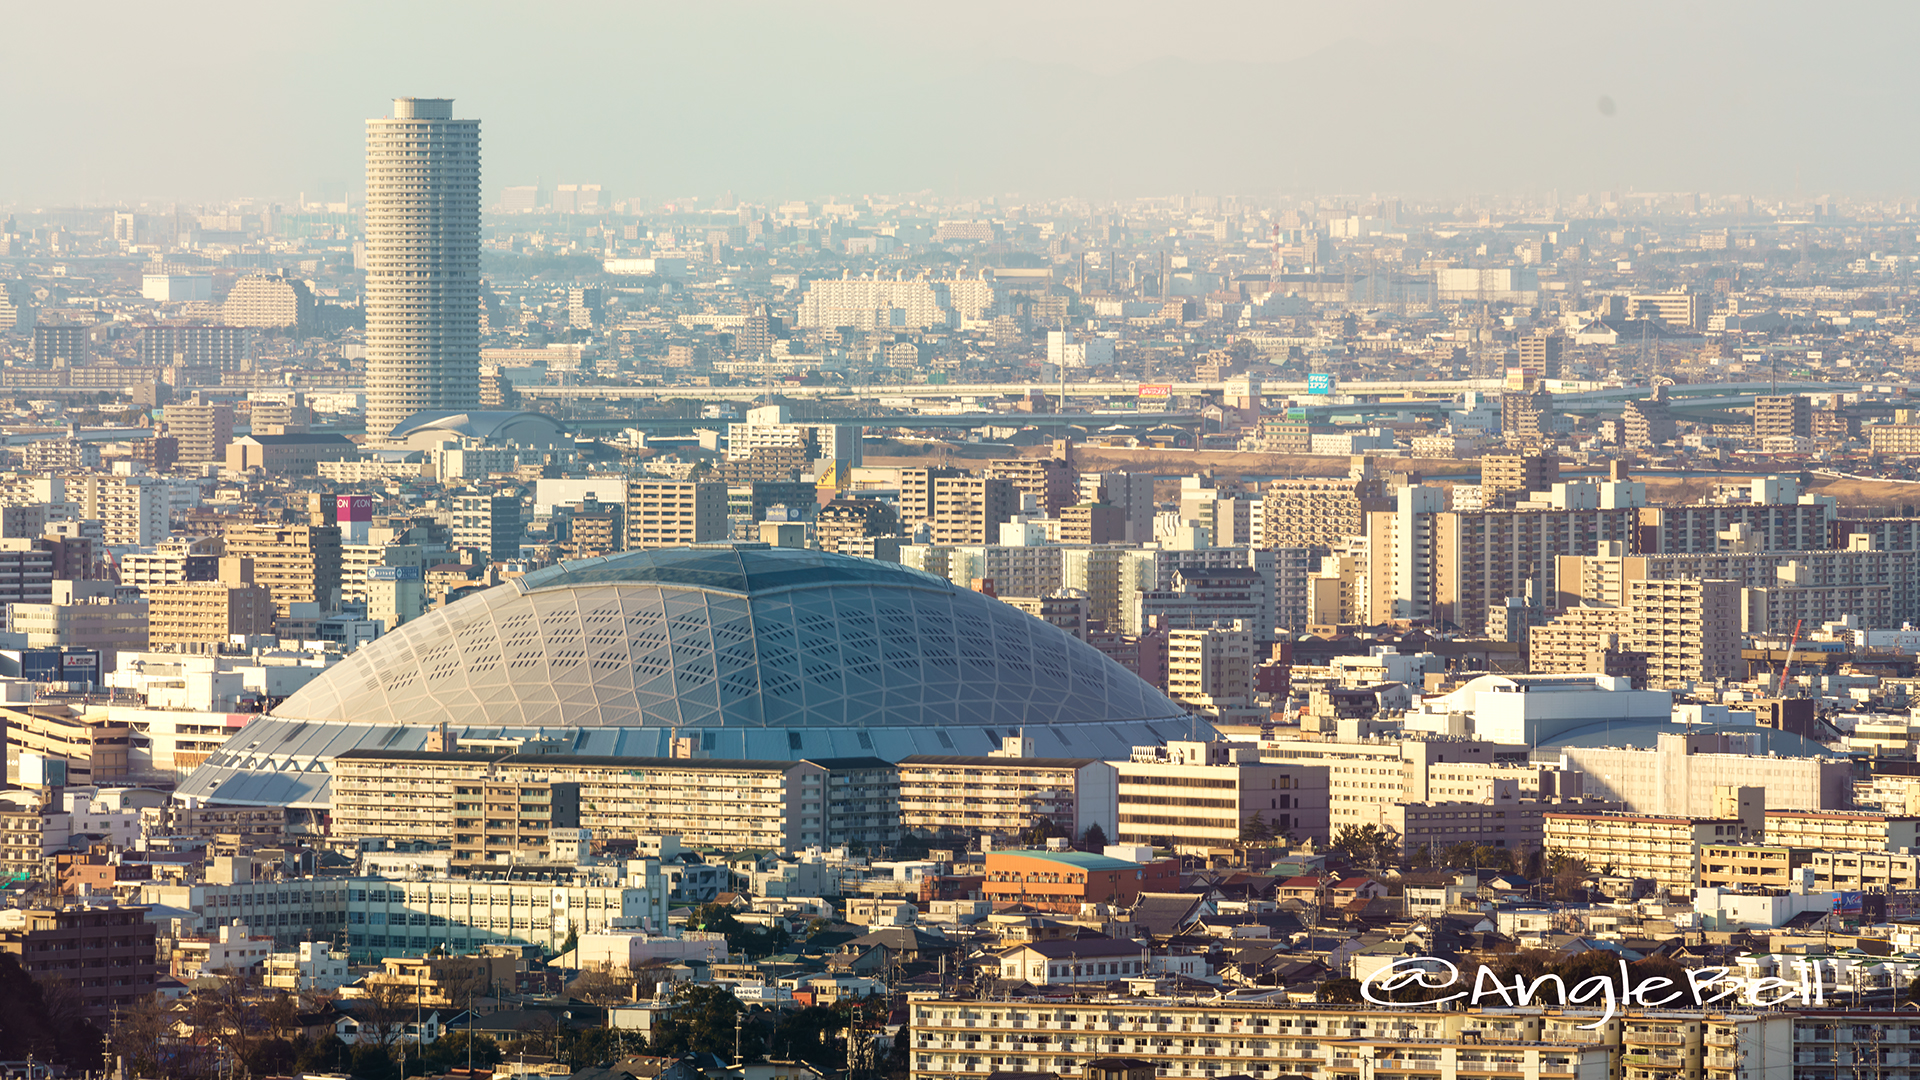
[(1782, 415), (674, 513), (1320, 513), (1842, 830), (970, 509), (269, 300), (1576, 640), (299, 564), (1481, 557), (1004, 795), (1896, 439), (1210, 669), (1197, 796), (1864, 871), (202, 616), (733, 805), (167, 563), (1507, 477), (1751, 866), (132, 510), (1688, 630), (1114, 1037), (1609, 573), (203, 430), (1666, 849)]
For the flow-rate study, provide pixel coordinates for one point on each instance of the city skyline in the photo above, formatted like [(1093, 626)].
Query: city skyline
[(1085, 101)]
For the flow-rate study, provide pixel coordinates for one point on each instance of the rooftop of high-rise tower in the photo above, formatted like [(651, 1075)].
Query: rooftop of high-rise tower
[(408, 108)]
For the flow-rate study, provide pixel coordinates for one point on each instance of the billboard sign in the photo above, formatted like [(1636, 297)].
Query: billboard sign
[(1162, 391), (1319, 383), (352, 508)]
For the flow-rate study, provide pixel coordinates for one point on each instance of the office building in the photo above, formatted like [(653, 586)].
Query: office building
[(422, 262), (103, 623), (1680, 308)]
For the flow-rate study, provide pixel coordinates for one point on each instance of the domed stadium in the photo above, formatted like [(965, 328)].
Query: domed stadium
[(752, 652)]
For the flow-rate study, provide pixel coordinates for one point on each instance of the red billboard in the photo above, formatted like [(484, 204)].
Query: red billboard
[(353, 508)]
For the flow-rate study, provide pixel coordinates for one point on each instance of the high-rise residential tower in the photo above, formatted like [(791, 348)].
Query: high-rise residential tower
[(423, 262)]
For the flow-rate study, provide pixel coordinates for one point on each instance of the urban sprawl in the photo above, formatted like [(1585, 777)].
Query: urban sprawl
[(498, 631)]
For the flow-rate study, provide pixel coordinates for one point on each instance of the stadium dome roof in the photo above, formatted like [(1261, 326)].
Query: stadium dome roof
[(765, 653), (423, 430)]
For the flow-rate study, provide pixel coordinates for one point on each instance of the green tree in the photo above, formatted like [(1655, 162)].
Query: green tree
[(1372, 845), (1256, 830), (703, 1023), (807, 1034), (1094, 839), (1339, 992)]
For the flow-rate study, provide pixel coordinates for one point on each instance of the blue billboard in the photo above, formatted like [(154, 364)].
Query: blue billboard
[(1320, 384)]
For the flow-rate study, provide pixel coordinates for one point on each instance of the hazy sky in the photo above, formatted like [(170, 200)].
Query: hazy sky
[(210, 101)]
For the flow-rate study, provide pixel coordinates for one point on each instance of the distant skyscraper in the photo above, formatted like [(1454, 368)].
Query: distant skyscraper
[(423, 262)]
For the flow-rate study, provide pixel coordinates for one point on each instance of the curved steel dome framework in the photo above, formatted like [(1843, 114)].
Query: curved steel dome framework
[(768, 653)]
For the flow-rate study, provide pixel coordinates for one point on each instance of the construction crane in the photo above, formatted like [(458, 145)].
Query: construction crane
[(1780, 688)]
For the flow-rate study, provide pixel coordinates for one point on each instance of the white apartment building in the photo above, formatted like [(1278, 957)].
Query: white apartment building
[(1188, 1038), (134, 510), (423, 262), (1210, 670), (1201, 795), (393, 918)]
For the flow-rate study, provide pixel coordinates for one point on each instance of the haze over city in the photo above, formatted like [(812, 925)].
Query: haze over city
[(1093, 100)]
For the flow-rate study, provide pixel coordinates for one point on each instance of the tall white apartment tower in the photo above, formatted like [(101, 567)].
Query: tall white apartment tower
[(423, 262)]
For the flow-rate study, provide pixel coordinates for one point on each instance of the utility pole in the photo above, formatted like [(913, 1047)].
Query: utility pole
[(739, 1018)]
